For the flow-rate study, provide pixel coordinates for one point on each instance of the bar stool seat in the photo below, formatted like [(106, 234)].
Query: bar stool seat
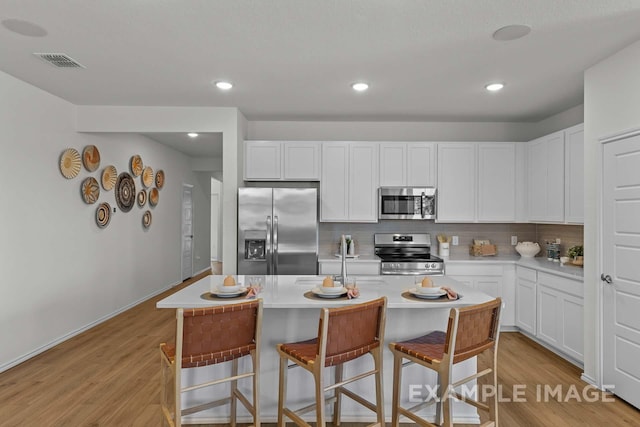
[(471, 331), (209, 336), (345, 334)]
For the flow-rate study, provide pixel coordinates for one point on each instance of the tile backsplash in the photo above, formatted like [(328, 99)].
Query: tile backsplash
[(499, 234)]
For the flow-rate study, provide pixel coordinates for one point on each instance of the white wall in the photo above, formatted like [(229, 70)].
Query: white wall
[(611, 105), (60, 272)]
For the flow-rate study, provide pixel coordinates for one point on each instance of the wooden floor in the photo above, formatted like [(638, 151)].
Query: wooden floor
[(109, 376)]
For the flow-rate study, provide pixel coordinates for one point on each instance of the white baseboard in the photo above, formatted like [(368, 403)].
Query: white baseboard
[(587, 379)]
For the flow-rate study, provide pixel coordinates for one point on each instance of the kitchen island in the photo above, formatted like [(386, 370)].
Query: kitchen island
[(291, 316)]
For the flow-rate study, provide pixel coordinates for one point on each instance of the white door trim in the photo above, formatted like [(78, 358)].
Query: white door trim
[(184, 186)]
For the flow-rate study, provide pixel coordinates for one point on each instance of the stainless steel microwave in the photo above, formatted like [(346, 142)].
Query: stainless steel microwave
[(406, 203)]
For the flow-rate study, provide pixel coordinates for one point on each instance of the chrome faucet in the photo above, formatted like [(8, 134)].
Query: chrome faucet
[(343, 253)]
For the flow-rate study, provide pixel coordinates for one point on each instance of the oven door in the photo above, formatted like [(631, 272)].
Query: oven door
[(406, 203)]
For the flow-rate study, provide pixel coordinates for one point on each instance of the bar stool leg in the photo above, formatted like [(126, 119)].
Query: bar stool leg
[(234, 387), (493, 400), (282, 391), (439, 402), (377, 361), (337, 406), (256, 388), (397, 380), (447, 402), (319, 377)]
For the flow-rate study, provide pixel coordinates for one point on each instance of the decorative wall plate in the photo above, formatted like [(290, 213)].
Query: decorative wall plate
[(70, 163), (154, 196), (109, 177), (136, 165), (103, 214), (142, 197), (147, 176), (125, 192), (90, 190), (160, 179), (146, 219), (91, 158)]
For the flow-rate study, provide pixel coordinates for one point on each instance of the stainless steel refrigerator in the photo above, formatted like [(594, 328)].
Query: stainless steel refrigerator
[(277, 231)]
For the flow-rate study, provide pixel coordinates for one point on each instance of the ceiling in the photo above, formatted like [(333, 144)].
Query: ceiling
[(204, 145), (424, 60)]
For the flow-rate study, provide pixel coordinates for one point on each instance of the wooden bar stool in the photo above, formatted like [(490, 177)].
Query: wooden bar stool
[(344, 334), (471, 331), (207, 336)]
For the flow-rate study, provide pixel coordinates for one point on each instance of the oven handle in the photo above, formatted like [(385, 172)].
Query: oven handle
[(423, 204)]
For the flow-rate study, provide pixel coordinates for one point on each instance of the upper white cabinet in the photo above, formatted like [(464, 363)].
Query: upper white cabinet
[(574, 174), (281, 161), (349, 182), (411, 164), (545, 167), (476, 182)]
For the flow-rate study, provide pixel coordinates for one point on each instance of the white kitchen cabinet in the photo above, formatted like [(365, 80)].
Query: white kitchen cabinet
[(496, 182), (526, 299), (456, 182), (493, 279), (477, 182), (354, 267), (409, 164), (545, 167), (574, 174), (349, 182), (281, 161)]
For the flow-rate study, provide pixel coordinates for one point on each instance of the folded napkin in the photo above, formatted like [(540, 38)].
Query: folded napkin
[(451, 294), (353, 293), (253, 292)]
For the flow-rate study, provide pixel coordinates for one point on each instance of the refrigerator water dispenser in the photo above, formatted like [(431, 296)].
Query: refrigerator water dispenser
[(255, 244)]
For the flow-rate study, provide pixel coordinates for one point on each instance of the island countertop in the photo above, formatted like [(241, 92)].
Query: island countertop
[(288, 292)]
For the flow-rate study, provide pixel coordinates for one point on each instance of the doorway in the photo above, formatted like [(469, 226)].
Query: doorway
[(187, 232), (216, 226)]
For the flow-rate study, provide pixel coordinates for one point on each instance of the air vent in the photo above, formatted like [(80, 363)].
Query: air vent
[(59, 60)]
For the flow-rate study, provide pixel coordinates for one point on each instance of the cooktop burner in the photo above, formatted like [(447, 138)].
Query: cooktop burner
[(407, 254)]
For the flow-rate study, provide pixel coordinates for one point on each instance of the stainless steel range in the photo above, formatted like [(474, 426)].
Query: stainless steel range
[(407, 254)]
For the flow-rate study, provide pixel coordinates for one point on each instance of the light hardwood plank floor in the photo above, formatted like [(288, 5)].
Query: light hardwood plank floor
[(110, 376)]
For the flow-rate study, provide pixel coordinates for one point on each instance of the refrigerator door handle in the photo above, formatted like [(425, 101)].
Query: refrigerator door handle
[(268, 244), (275, 244)]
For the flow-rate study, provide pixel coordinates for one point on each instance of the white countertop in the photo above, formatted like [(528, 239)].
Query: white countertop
[(537, 263), (288, 292)]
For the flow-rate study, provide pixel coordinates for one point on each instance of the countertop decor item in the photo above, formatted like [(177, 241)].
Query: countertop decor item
[(577, 254), (103, 214), (136, 165), (527, 249), (160, 179), (154, 196), (90, 190), (142, 197), (70, 163), (146, 219), (91, 158), (147, 176), (125, 192), (109, 177)]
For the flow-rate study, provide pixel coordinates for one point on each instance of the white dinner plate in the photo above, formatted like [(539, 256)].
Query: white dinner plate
[(413, 292), (221, 289), (228, 294), (318, 292)]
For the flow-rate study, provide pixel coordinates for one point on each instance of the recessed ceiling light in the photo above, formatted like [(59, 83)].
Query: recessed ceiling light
[(360, 86), (192, 134), (494, 87), (511, 32), (24, 28), (223, 85)]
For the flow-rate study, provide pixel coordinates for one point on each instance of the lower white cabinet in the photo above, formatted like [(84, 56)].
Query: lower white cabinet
[(353, 267), (493, 279), (550, 307)]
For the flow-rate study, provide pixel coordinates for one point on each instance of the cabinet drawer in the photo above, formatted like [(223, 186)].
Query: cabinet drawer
[(473, 269), (527, 274), (573, 287)]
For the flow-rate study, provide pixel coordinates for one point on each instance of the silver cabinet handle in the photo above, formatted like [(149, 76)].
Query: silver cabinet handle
[(606, 278)]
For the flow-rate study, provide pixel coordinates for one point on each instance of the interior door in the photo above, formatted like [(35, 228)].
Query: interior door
[(620, 267), (187, 231)]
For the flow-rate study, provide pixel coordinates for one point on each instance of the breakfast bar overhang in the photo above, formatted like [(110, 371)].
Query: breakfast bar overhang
[(291, 316)]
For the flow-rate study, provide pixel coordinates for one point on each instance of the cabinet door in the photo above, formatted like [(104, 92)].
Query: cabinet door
[(363, 182), (421, 164), (456, 182), (537, 179), (334, 179), (301, 161), (574, 174), (526, 305), (549, 322), (489, 285), (393, 165), (571, 313), (555, 177), (496, 182), (262, 160)]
